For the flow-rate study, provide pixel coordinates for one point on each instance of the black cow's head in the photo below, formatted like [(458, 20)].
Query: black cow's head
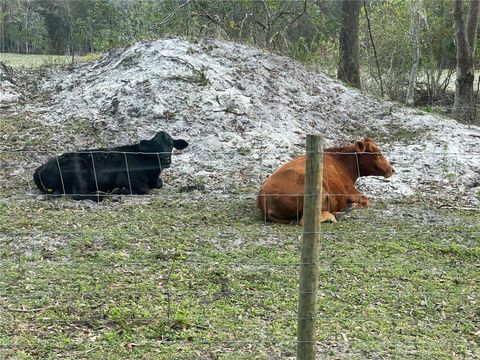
[(162, 143)]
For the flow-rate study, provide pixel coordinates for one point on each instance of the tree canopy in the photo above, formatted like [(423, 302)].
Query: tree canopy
[(307, 30)]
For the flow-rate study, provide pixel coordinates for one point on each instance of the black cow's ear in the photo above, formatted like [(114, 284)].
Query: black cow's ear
[(180, 144), (360, 146)]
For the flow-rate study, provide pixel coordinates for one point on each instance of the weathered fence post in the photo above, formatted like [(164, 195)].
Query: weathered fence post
[(312, 207)]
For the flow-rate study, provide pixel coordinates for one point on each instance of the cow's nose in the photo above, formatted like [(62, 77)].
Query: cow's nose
[(393, 169)]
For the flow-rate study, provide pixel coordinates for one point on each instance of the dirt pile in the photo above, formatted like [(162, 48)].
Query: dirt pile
[(244, 112), (9, 90)]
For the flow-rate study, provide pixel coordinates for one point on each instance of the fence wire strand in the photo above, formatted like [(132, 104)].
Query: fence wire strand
[(31, 269)]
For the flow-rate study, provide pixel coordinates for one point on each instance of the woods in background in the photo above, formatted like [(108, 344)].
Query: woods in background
[(396, 49)]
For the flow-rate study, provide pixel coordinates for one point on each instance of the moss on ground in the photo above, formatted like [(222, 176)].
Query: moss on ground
[(201, 276), (204, 277), (35, 61)]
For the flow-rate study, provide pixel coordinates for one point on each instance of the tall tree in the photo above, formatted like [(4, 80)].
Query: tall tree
[(466, 35), (348, 67), (415, 6), (70, 29), (3, 17)]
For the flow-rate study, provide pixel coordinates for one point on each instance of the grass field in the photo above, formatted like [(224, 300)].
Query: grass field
[(201, 276), (32, 61)]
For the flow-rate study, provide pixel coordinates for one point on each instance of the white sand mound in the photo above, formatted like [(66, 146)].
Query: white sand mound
[(245, 111)]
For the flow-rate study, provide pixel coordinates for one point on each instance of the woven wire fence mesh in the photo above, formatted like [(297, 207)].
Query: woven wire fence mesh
[(193, 270)]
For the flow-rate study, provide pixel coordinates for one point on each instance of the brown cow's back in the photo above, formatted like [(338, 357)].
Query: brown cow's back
[(281, 195)]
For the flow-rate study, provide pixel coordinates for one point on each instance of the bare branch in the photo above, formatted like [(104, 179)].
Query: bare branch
[(266, 9), (283, 13), (261, 24), (30, 310), (172, 14), (243, 23), (299, 15), (374, 48)]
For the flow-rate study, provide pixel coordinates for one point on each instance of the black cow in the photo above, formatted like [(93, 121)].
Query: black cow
[(129, 169)]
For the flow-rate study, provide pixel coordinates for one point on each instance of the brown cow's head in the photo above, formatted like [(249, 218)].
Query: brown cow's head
[(370, 159)]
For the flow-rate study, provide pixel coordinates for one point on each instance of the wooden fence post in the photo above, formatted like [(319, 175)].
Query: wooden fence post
[(312, 207)]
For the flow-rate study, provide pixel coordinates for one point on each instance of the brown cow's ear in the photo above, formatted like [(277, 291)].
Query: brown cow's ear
[(360, 146)]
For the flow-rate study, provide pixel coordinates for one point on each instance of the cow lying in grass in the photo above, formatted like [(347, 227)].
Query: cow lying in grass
[(129, 169), (281, 196)]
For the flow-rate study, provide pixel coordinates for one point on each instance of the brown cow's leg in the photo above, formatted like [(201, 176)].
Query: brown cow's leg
[(364, 202), (327, 216), (278, 220), (359, 201)]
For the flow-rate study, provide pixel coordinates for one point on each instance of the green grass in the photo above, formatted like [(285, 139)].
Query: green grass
[(32, 60), (204, 277), (201, 276)]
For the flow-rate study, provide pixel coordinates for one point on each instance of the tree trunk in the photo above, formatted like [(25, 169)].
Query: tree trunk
[(25, 15), (380, 81), (3, 19), (348, 67), (466, 34), (414, 22), (70, 31)]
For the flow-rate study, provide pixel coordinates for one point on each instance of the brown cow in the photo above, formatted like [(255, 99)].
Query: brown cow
[(281, 196)]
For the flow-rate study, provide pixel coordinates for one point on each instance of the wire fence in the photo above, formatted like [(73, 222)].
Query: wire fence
[(204, 270), (442, 168)]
